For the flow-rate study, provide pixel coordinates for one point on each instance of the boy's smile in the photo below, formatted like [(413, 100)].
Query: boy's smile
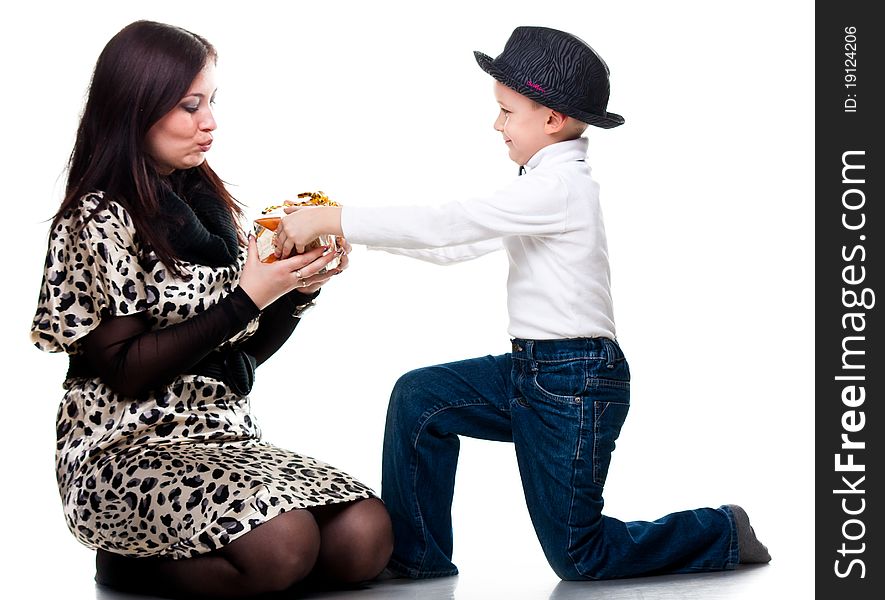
[(525, 124)]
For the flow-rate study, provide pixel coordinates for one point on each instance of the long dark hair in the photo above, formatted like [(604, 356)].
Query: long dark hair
[(142, 74)]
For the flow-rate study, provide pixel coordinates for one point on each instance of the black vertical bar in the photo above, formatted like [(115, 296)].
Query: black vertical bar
[(849, 364)]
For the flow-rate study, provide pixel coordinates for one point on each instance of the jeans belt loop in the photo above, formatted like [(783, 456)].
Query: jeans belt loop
[(610, 354), (530, 355)]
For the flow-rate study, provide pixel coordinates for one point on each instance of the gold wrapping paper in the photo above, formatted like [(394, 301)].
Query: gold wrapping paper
[(265, 225)]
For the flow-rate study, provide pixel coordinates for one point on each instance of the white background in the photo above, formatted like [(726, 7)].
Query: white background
[(708, 196)]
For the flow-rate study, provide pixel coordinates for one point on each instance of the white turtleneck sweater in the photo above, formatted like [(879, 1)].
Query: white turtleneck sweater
[(548, 221)]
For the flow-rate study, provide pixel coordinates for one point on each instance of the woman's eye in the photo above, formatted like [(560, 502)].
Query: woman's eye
[(191, 108)]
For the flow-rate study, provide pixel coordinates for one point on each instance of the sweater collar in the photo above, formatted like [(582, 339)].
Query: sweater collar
[(201, 230), (559, 152)]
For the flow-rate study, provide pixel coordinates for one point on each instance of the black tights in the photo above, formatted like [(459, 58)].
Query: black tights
[(342, 543)]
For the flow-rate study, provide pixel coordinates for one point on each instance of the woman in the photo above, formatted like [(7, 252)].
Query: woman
[(165, 316)]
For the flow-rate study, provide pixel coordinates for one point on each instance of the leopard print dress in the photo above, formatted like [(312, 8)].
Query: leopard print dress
[(180, 471)]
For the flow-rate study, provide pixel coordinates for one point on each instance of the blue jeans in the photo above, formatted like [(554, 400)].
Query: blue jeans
[(562, 403)]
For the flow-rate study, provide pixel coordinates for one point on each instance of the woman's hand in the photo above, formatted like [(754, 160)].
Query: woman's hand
[(265, 282), (344, 249), (304, 224)]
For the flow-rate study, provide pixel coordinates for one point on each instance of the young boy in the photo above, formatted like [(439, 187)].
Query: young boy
[(562, 394)]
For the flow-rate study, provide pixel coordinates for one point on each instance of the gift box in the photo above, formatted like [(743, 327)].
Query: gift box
[(265, 226)]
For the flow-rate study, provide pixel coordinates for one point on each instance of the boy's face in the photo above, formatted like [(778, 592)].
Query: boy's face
[(522, 122)]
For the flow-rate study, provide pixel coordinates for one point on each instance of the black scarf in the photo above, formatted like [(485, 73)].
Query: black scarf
[(200, 230)]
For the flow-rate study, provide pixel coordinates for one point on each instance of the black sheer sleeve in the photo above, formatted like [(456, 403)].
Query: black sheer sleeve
[(132, 359), (275, 325)]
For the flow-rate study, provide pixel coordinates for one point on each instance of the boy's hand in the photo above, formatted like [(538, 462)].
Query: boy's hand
[(304, 224)]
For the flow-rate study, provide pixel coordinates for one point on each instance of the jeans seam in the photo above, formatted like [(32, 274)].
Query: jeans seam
[(733, 550), (425, 418), (595, 461), (422, 421), (571, 504), (419, 520), (610, 383), (556, 361)]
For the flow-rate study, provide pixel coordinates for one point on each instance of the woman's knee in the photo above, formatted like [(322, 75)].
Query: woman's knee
[(358, 541), (278, 553), (372, 530)]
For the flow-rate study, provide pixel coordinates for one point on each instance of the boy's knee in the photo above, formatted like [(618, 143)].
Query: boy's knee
[(409, 394), (568, 569), (562, 565), (410, 384)]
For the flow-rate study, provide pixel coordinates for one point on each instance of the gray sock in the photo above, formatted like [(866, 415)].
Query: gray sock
[(750, 549)]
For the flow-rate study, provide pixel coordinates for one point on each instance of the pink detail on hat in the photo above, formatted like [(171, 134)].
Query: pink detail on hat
[(535, 86)]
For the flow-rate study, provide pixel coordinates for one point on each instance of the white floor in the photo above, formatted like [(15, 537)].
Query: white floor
[(759, 582), (515, 573)]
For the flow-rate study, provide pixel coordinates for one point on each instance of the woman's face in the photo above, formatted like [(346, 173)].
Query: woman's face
[(182, 137)]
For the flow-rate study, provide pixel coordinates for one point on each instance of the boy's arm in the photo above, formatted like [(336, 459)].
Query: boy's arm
[(314, 221), (525, 208), (536, 206), (447, 255)]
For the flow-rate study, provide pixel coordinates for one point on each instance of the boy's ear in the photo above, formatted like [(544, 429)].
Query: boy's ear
[(556, 122)]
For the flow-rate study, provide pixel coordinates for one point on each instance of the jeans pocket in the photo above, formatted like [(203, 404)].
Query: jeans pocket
[(610, 407), (563, 381)]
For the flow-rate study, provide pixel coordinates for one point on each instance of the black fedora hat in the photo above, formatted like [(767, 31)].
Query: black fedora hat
[(555, 69)]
